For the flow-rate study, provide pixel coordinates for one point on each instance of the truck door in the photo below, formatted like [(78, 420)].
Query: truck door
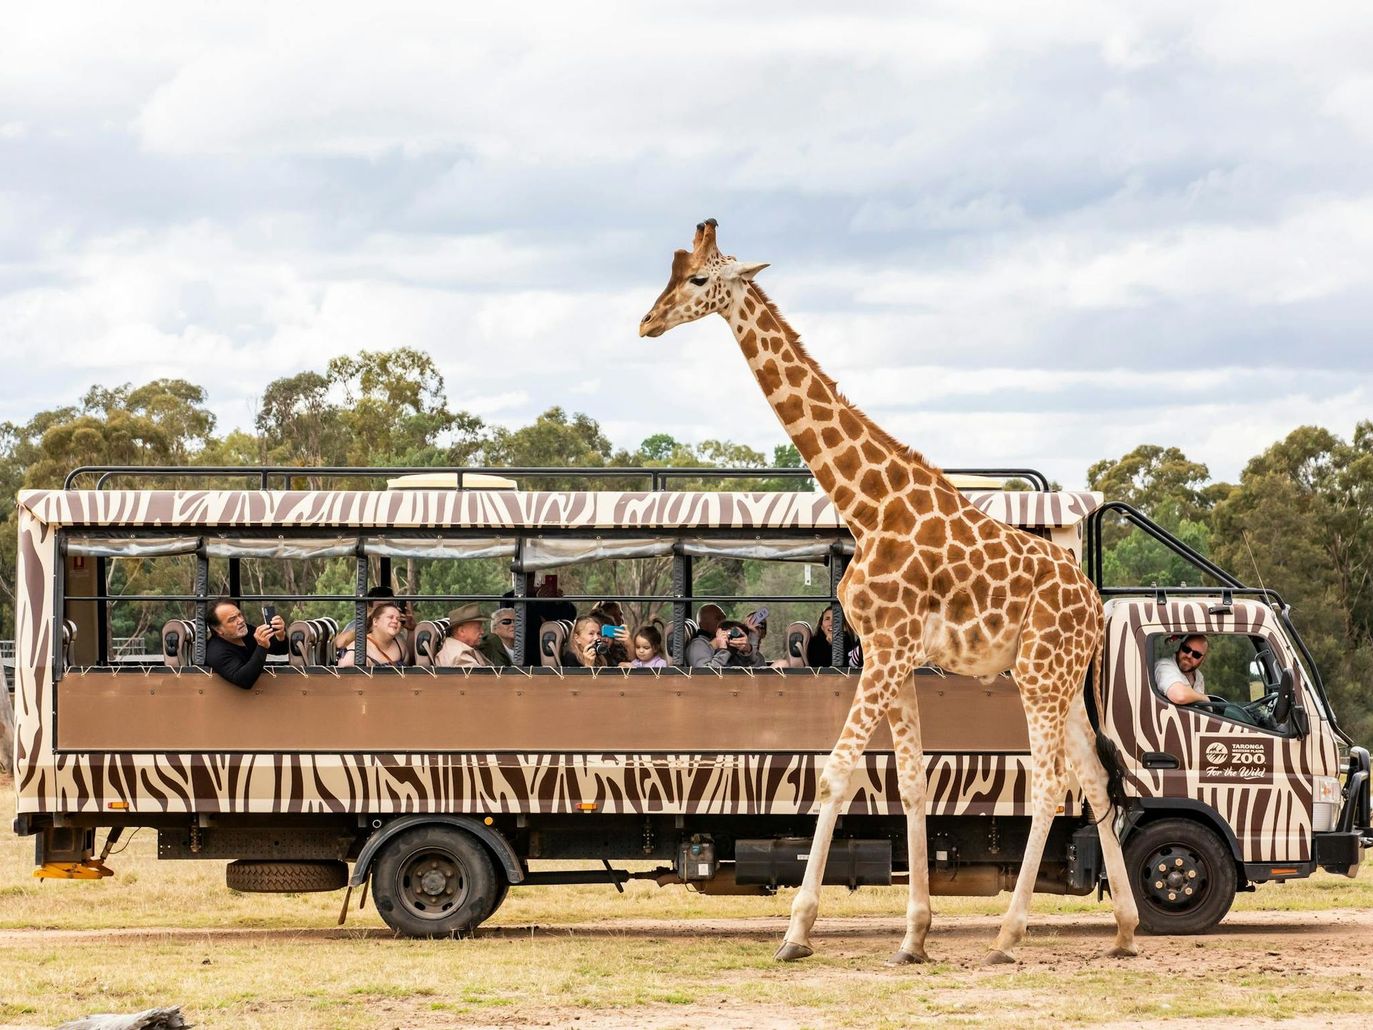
[(1240, 753)]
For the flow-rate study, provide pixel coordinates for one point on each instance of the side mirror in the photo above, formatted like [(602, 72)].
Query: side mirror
[(1282, 707), (1301, 722)]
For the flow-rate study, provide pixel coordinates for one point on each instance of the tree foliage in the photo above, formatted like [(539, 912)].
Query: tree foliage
[(1300, 519)]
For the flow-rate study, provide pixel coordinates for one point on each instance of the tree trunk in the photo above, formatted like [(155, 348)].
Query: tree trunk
[(6, 724)]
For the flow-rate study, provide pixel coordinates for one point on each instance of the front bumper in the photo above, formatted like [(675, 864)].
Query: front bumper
[(1341, 849)]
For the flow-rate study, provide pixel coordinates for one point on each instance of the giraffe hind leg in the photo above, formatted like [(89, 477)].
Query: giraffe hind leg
[(1084, 754)]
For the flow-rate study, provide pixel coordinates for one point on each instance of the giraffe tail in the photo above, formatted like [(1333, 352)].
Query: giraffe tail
[(1107, 751)]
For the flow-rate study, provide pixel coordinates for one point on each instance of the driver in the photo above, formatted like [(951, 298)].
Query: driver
[(1180, 676)]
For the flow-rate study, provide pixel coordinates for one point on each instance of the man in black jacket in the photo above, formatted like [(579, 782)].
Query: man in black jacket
[(236, 650)]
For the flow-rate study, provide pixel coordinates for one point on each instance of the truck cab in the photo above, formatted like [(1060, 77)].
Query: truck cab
[(1256, 782)]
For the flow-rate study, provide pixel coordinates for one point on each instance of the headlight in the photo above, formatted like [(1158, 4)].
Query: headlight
[(1328, 791), (1327, 798)]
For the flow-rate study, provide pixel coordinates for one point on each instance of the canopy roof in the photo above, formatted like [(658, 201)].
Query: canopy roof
[(500, 509)]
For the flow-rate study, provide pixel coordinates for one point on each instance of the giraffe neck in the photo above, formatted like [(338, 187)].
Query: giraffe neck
[(855, 461)]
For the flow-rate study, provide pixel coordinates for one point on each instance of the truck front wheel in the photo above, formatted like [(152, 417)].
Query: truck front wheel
[(434, 881), (1183, 876)]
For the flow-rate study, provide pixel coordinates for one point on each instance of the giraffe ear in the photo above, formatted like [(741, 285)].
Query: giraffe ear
[(747, 272)]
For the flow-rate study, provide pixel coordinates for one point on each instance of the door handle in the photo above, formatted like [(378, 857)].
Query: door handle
[(1159, 760)]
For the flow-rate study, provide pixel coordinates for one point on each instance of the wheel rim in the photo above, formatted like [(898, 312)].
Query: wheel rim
[(1175, 879), (431, 884)]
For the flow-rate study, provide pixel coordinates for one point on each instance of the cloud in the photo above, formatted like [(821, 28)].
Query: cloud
[(1033, 234)]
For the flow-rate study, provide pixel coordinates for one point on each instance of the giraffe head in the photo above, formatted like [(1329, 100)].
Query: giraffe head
[(703, 280)]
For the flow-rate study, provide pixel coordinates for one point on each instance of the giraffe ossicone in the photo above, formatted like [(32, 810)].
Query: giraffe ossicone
[(933, 580)]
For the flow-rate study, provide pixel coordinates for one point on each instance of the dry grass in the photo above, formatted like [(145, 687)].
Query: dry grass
[(651, 957)]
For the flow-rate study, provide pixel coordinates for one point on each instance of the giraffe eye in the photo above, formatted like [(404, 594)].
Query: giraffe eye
[(698, 280)]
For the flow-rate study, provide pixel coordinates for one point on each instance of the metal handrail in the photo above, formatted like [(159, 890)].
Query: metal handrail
[(658, 477)]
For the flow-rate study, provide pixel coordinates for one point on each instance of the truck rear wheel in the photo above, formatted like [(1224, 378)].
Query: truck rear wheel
[(434, 881), (1183, 876)]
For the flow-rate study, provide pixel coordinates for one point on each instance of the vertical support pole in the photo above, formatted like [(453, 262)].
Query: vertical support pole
[(360, 609), (838, 563), (59, 610), (236, 579), (384, 572), (102, 612), (520, 592), (202, 588), (681, 604)]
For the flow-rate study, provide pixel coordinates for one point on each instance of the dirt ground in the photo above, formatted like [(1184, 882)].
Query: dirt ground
[(1280, 955)]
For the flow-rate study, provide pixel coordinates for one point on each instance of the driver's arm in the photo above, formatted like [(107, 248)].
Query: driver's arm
[(1182, 693)]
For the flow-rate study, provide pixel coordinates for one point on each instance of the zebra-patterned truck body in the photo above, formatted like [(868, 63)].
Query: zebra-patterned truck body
[(738, 752)]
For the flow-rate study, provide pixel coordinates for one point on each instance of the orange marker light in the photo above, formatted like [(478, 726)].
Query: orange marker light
[(587, 806), (120, 806)]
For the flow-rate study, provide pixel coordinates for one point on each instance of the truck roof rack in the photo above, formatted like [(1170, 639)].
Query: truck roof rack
[(656, 478)]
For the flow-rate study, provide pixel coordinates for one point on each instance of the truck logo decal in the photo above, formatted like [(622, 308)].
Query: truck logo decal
[(1237, 761)]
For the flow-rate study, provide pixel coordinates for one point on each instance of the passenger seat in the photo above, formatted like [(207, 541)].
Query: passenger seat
[(178, 643), (552, 637), (798, 644), (429, 638)]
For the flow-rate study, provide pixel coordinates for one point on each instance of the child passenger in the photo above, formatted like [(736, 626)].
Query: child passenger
[(648, 649)]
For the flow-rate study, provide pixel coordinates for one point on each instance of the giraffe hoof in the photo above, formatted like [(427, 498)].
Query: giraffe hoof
[(996, 957), (1120, 951), (789, 952), (908, 958)]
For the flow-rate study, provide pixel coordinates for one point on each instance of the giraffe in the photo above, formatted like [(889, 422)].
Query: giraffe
[(932, 580)]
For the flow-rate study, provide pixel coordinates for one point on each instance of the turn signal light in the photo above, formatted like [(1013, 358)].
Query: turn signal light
[(587, 806), (119, 806)]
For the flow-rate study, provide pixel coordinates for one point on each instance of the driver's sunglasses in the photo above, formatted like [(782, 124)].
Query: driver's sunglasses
[(1198, 655), (505, 622)]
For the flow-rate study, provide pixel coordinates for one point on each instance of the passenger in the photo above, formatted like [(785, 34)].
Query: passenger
[(537, 612), (648, 649), (583, 648), (732, 647), (1180, 676), (465, 626), (344, 641), (609, 613), (237, 650), (820, 650), (384, 646), (499, 644), (699, 650)]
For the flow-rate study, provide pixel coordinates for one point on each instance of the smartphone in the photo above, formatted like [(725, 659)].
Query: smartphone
[(549, 587), (269, 612), (761, 615), (610, 631)]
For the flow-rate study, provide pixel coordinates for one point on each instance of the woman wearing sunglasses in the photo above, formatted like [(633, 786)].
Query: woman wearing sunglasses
[(1180, 676)]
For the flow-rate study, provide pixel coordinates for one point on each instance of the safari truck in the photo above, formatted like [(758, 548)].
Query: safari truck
[(442, 788)]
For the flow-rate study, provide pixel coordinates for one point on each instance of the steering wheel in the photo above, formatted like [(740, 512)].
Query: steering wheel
[(1262, 711)]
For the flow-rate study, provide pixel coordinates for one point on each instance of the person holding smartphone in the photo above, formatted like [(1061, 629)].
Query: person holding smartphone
[(238, 650)]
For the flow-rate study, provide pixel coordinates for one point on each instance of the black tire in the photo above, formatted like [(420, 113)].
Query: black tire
[(434, 881), (1183, 876), (254, 876)]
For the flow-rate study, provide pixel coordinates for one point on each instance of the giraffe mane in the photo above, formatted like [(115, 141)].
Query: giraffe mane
[(902, 449)]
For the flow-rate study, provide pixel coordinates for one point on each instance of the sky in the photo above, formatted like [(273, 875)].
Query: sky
[(1015, 234)]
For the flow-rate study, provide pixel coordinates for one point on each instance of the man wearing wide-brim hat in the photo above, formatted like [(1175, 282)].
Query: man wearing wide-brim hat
[(466, 624)]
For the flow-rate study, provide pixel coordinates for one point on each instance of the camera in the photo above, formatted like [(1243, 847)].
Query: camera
[(601, 645), (737, 634)]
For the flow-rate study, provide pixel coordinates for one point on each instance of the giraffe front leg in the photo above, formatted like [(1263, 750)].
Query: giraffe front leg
[(1047, 784), (870, 703), (910, 773)]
